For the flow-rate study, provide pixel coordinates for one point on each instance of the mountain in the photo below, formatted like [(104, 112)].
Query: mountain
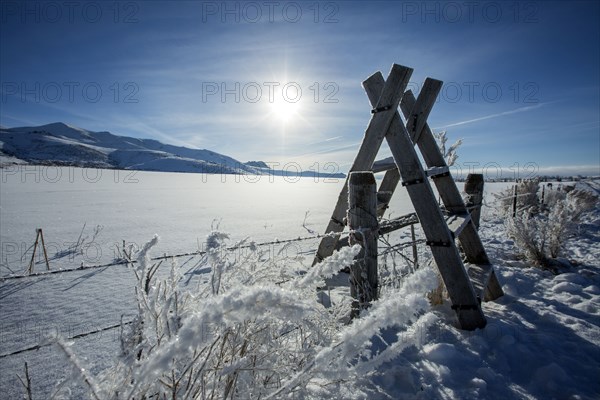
[(257, 164), (62, 144)]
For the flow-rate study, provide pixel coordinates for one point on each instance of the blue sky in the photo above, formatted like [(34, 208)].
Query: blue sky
[(281, 81)]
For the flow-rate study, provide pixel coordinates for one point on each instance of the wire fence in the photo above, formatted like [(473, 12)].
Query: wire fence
[(393, 248), (78, 336), (126, 261)]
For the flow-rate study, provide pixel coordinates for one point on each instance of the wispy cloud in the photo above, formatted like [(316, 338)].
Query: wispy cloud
[(17, 121), (330, 151), (502, 114), (325, 140), (570, 170)]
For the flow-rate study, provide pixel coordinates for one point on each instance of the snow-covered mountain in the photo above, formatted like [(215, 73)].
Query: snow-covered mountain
[(62, 144)]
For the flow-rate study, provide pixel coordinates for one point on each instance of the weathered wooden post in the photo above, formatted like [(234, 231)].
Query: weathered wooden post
[(514, 206), (474, 189), (413, 237), (44, 247), (362, 222), (441, 226), (31, 263), (38, 234)]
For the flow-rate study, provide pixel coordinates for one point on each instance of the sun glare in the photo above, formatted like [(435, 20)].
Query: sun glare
[(284, 111)]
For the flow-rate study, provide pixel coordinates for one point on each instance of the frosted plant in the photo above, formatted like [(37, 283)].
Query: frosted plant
[(527, 197), (450, 154), (237, 338), (551, 197), (580, 202), (352, 356), (238, 334), (541, 234), (530, 237)]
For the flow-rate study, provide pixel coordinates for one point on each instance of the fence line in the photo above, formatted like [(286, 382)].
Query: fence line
[(199, 253), (196, 253), (121, 324), (78, 336), (163, 257)]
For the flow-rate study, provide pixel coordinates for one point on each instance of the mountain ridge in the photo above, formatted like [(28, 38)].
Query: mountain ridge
[(62, 144)]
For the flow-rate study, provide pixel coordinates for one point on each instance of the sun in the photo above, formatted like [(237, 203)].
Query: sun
[(284, 110)]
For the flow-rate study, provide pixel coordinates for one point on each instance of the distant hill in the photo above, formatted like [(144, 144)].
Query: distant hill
[(257, 164), (62, 144)]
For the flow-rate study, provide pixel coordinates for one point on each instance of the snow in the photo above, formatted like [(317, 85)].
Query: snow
[(133, 205), (542, 340), (9, 160), (536, 345)]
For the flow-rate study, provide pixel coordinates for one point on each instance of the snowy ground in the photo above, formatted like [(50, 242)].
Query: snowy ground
[(134, 205), (542, 340)]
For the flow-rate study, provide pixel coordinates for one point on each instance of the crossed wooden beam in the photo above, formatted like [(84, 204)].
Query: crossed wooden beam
[(466, 289)]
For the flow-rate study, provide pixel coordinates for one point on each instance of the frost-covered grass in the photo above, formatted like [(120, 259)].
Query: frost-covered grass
[(240, 335)]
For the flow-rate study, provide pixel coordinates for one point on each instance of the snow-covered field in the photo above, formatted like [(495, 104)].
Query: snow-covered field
[(542, 339), (134, 205)]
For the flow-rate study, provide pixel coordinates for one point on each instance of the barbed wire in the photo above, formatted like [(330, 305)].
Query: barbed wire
[(78, 336), (125, 261), (394, 248), (400, 246), (390, 248)]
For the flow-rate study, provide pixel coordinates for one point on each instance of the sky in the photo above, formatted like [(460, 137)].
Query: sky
[(281, 81)]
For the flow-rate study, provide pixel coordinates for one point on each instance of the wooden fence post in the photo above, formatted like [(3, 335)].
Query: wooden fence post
[(44, 248), (38, 234), (31, 263), (362, 222), (514, 207), (414, 246), (474, 189)]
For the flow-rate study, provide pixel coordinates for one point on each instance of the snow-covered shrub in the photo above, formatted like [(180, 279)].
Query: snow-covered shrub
[(530, 235), (580, 202), (551, 197), (239, 334), (527, 197), (541, 235)]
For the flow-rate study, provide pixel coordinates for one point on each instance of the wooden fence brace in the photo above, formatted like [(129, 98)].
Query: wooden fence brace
[(466, 288), (386, 189), (374, 135), (38, 234), (362, 222), (439, 237), (474, 189), (385, 227)]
